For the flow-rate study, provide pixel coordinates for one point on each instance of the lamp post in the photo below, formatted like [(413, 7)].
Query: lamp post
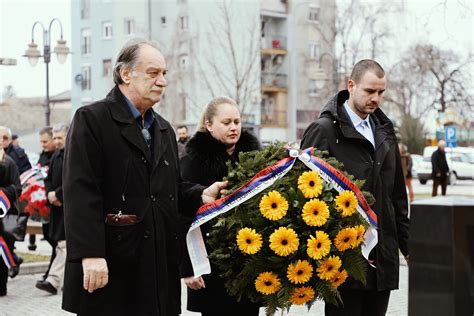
[(321, 76), (33, 54)]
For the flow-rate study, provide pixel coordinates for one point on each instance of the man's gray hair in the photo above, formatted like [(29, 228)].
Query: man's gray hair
[(61, 128), (9, 131), (128, 56)]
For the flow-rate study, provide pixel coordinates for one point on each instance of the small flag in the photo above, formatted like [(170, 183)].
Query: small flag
[(4, 204), (6, 254)]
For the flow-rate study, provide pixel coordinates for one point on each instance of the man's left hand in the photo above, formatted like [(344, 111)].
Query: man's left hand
[(210, 193)]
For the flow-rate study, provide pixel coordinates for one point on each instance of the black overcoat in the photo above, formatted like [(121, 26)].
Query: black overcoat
[(108, 168), (380, 167), (54, 182), (10, 185), (205, 163)]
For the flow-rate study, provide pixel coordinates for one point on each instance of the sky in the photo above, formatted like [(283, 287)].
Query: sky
[(446, 23)]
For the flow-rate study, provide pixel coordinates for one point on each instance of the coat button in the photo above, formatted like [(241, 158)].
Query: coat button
[(147, 234), (152, 197), (171, 197), (119, 237), (144, 160), (166, 162)]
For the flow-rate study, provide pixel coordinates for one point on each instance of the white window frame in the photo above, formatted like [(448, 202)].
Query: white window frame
[(183, 62), (107, 30), (163, 21), (314, 13), (106, 71), (86, 72), (86, 41), (313, 88), (129, 26), (313, 49), (183, 22)]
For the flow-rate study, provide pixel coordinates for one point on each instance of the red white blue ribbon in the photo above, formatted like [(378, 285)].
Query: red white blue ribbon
[(6, 254), (4, 204), (262, 180)]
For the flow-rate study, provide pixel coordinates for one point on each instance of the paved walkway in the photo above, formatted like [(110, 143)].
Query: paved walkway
[(24, 299)]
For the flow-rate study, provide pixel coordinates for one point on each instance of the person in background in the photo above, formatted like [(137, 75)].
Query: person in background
[(219, 139), (15, 140), (354, 130), (54, 192), (122, 187), (407, 165), (15, 152), (10, 186), (439, 169), (183, 138), (48, 146)]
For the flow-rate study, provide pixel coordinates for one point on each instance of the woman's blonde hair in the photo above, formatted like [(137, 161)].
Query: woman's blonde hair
[(211, 111)]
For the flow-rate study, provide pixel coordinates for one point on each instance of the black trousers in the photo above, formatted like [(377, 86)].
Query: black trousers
[(360, 303), (443, 182)]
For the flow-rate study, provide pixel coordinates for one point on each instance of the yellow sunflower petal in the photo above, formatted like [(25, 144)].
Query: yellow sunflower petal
[(273, 206), (311, 184), (346, 203), (299, 272), (249, 241), (360, 231), (319, 246), (329, 267), (345, 238), (267, 283), (339, 278), (315, 212), (284, 241), (302, 295)]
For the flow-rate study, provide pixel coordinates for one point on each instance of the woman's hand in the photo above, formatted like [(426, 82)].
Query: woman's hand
[(194, 283)]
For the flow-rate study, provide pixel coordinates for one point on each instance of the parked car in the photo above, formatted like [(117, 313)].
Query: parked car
[(416, 161), (461, 167)]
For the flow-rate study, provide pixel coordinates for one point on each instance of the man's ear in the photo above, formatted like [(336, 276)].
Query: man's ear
[(350, 85), (125, 74)]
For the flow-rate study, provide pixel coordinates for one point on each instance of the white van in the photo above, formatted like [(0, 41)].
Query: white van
[(460, 162)]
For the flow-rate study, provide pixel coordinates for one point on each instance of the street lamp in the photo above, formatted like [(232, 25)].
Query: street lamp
[(33, 54), (321, 76)]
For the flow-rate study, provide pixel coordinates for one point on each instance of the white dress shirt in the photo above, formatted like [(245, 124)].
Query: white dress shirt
[(362, 126)]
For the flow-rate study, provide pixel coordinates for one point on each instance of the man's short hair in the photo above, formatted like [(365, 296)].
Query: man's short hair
[(364, 66), (128, 56), (182, 126), (61, 128), (46, 130), (7, 130)]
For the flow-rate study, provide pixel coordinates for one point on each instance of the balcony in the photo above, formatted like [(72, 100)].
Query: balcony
[(274, 45), (274, 82), (273, 118)]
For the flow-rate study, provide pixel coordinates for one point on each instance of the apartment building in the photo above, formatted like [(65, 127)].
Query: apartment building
[(270, 55)]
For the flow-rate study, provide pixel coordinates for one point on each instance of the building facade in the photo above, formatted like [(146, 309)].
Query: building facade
[(274, 57)]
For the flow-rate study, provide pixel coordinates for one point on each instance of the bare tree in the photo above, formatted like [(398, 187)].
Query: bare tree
[(237, 48)]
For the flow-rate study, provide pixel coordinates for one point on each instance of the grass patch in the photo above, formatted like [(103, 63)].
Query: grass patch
[(31, 257)]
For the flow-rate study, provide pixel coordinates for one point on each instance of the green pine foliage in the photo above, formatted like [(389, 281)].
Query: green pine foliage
[(240, 270)]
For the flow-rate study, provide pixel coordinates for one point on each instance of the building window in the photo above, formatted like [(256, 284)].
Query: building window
[(86, 77), (106, 67), (86, 42), (129, 26), (183, 23), (85, 9), (163, 21), (313, 50), (313, 89), (313, 14), (183, 62), (106, 30)]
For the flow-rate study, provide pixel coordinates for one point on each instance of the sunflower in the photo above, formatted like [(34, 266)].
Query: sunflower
[(346, 203), (310, 184), (319, 246), (329, 267), (315, 212), (302, 295), (249, 241), (345, 238), (300, 272), (267, 283), (284, 241), (273, 206), (360, 231), (339, 278)]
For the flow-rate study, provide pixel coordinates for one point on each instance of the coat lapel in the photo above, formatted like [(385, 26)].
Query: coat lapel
[(160, 141), (128, 126)]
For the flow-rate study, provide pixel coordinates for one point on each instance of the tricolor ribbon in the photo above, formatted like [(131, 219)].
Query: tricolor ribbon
[(4, 204), (6, 254), (262, 180)]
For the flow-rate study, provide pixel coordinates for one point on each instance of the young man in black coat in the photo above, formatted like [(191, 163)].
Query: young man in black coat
[(440, 169), (54, 192), (15, 152), (121, 190), (354, 130)]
